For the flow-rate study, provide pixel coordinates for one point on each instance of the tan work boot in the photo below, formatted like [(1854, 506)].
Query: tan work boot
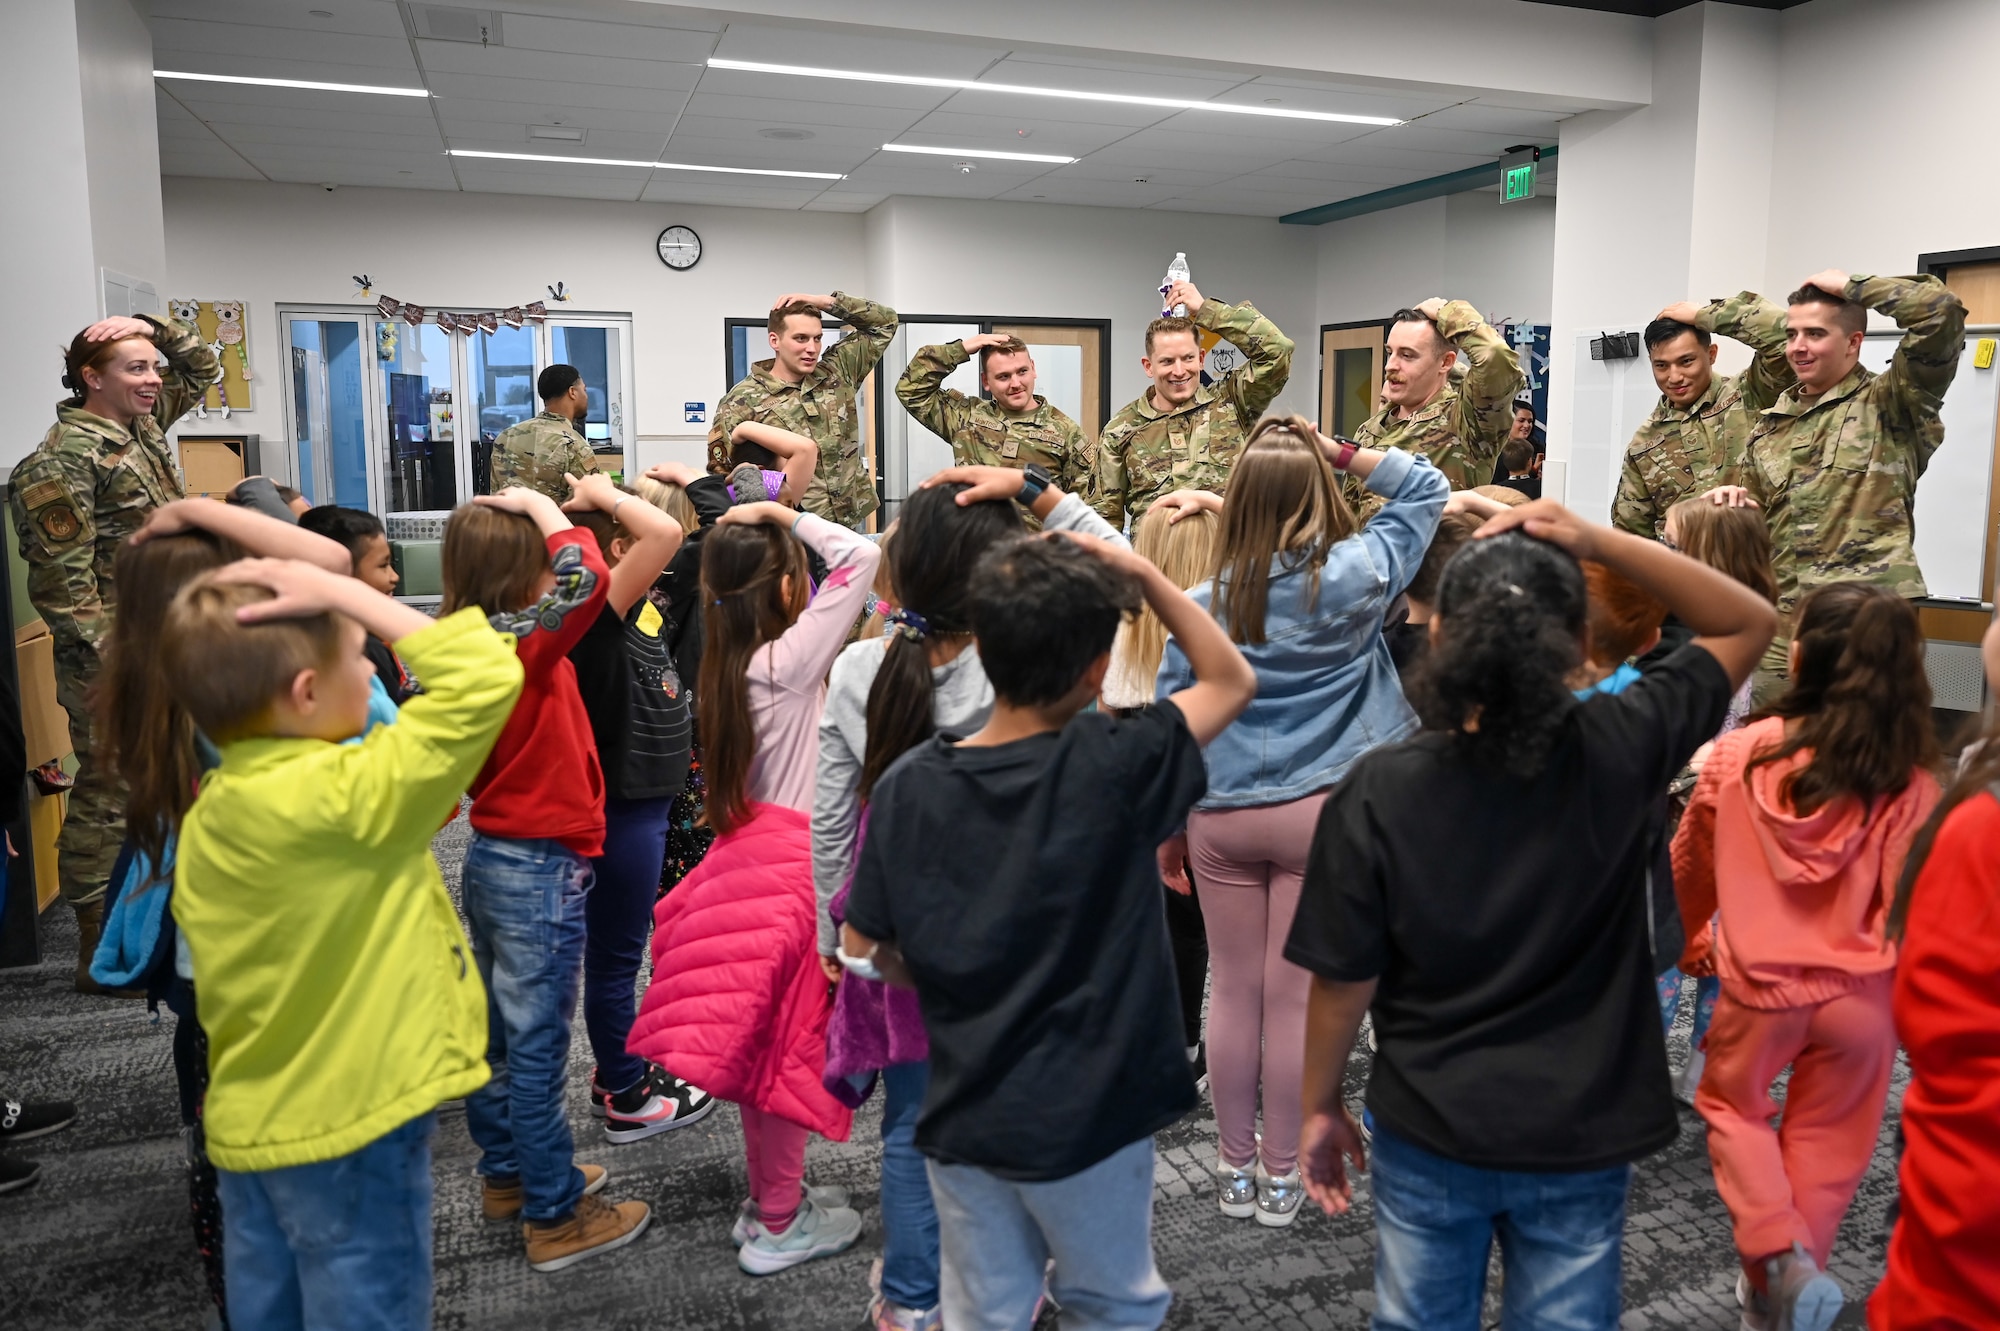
[(594, 1227), (502, 1201)]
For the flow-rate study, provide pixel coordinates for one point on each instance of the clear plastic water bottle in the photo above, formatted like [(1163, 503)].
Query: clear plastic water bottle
[(1177, 271)]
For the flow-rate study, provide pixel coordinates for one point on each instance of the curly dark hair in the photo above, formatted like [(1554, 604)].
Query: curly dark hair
[(1511, 614)]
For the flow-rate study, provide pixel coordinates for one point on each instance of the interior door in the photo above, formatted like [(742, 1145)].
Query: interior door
[(1350, 375), (1978, 285), (1069, 368), (602, 349), (328, 401)]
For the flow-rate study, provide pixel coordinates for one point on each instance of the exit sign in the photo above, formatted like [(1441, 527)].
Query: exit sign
[(1518, 168)]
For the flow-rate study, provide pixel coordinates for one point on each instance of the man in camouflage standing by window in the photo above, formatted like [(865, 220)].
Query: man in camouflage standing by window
[(91, 482), (538, 453), (813, 395)]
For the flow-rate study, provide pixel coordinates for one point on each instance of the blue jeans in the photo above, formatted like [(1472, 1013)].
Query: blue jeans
[(616, 917), (997, 1235), (909, 1220), (1436, 1219), (342, 1245), (525, 902)]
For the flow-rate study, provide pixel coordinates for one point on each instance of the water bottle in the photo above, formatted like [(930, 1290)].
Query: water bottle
[(1177, 271)]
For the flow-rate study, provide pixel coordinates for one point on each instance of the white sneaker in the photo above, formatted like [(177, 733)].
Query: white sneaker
[(1278, 1198), (1756, 1308), (816, 1231), (826, 1198), (1235, 1189), (1803, 1297)]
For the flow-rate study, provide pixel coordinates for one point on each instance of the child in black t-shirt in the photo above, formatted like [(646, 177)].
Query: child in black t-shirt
[(1009, 877), (1520, 1067)]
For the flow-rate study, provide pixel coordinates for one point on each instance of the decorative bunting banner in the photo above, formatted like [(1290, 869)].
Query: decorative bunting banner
[(485, 321)]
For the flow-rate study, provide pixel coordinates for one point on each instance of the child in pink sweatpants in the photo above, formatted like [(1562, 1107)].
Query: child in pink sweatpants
[(1797, 833)]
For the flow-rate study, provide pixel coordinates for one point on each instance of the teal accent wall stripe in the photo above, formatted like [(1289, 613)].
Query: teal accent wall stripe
[(1455, 182)]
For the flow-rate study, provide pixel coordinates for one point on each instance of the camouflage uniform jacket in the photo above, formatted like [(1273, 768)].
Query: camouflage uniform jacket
[(538, 453), (982, 434), (1681, 452), (1145, 452), (821, 407), (1837, 476), (1463, 426), (91, 483)]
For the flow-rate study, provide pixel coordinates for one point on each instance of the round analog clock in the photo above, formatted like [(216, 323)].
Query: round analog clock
[(680, 248)]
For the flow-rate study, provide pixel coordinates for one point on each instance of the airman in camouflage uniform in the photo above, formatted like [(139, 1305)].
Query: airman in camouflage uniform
[(820, 406), (1147, 451), (538, 453), (1685, 451), (982, 433), (1837, 474), (89, 484), (1462, 426)]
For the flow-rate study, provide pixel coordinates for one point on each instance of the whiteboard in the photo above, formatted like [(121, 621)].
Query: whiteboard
[(1612, 399), (1951, 537)]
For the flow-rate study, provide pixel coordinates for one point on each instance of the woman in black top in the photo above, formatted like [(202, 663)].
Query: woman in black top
[(1520, 1067)]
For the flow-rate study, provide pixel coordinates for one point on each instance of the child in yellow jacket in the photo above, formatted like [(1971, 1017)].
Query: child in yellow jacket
[(334, 980)]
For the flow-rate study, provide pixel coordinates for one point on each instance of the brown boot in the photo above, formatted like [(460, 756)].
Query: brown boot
[(89, 928), (594, 1227), (502, 1201)]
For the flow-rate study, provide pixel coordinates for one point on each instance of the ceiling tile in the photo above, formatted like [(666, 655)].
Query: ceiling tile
[(1495, 120), (368, 18), (248, 104), (1163, 177), (1426, 137), (830, 202), (543, 92), (834, 92), (251, 139), (1014, 110), (661, 189), (211, 160), (637, 146), (505, 64), (779, 111), (838, 50), (765, 154), (566, 185), (476, 111), (846, 137), (245, 47), (1134, 80), (1091, 193), (627, 41)]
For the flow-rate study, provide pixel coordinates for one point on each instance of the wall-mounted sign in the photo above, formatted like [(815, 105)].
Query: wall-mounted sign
[(696, 412)]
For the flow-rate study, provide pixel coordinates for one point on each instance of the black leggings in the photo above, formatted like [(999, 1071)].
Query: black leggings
[(1190, 940)]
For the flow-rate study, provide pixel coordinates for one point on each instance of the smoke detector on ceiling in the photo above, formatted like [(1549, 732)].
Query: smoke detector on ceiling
[(788, 135), (966, 168), (481, 27)]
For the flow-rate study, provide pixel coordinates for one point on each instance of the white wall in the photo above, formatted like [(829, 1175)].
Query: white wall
[(269, 244), (121, 138), (1884, 148), (950, 256), (1466, 246)]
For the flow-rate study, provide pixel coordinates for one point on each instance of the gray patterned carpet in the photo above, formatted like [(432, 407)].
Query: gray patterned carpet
[(103, 1241)]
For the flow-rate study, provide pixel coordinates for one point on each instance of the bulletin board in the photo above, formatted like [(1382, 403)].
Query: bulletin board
[(220, 323)]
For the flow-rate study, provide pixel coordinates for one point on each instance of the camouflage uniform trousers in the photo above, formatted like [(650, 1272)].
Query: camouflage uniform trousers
[(94, 815)]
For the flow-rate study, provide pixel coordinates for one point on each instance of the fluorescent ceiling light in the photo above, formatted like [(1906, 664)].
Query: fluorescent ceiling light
[(978, 85), (649, 166), (293, 83), (975, 152)]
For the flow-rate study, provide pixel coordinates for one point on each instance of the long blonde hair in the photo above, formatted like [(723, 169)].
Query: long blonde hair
[(1185, 551), (669, 499), (1283, 502)]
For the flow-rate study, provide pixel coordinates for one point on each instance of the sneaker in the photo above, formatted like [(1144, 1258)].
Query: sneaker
[(16, 1173), (1803, 1297), (1198, 1064), (1236, 1189), (816, 1231), (1689, 1078), (595, 1226), (827, 1199), (22, 1119), (660, 1103), (1278, 1198), (502, 1201), (886, 1316), (1756, 1308)]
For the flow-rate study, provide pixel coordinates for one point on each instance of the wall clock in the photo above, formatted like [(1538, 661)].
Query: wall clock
[(680, 248)]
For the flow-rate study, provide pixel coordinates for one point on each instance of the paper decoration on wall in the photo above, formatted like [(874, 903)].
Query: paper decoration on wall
[(220, 323), (386, 337), (362, 283), (485, 321), (559, 292)]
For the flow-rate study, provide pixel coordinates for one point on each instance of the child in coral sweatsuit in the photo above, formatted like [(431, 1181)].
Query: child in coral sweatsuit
[(1797, 833)]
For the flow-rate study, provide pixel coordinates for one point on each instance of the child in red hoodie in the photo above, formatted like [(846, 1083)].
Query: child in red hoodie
[(1797, 833), (537, 819)]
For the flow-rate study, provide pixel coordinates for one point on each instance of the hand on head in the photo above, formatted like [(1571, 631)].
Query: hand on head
[(1430, 308), (763, 510), (986, 482), (978, 342), (116, 329), (1185, 293), (1730, 496), (800, 298), (1546, 520), (673, 473), (1183, 503), (594, 490), (1683, 312), (1831, 280), (296, 588)]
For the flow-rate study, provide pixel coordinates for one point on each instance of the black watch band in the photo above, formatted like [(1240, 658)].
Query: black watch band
[(1034, 480)]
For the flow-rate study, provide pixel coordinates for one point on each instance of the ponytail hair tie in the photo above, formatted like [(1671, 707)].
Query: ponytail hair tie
[(908, 624)]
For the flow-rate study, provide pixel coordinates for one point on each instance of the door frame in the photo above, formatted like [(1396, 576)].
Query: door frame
[(1324, 398), (1952, 622), (372, 445)]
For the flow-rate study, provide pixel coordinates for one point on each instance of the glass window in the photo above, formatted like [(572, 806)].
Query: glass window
[(502, 369), (1353, 388), (420, 472), (330, 415)]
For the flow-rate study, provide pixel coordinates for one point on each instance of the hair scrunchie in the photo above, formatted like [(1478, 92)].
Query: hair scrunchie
[(908, 624)]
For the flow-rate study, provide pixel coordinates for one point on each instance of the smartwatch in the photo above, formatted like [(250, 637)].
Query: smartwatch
[(1034, 479), (1344, 452)]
